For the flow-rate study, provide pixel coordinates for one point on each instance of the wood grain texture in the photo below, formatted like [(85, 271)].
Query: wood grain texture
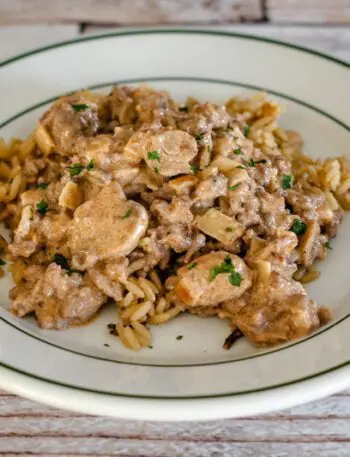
[(309, 11), (129, 12)]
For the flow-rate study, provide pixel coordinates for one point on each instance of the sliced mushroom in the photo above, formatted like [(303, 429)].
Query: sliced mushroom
[(106, 227), (170, 152), (198, 287)]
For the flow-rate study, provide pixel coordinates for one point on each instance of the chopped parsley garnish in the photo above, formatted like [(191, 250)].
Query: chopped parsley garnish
[(154, 155), (61, 260), (42, 185), (156, 169), (2, 262), (252, 162), (328, 245), (183, 109), (241, 167), (42, 207), (287, 181), (200, 136), (226, 267), (235, 186), (80, 107), (229, 229), (299, 227), (194, 169), (127, 214), (179, 337), (76, 169), (237, 151), (150, 347), (235, 279), (192, 265), (90, 165), (246, 130)]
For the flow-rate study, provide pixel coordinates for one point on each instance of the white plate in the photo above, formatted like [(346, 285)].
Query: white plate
[(193, 378)]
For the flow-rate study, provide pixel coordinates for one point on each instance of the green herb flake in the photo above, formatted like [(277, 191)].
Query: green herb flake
[(287, 181), (226, 267), (194, 169), (156, 170), (235, 279), (179, 337), (107, 345), (200, 136), (2, 262), (75, 169), (192, 265), (246, 130), (241, 167), (61, 260), (183, 109), (299, 227), (90, 165), (229, 229), (80, 107), (236, 186), (42, 185), (237, 151), (154, 155), (328, 245), (150, 347), (252, 162), (42, 207), (127, 214)]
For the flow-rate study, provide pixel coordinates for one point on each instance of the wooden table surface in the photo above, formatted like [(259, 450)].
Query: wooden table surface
[(318, 429)]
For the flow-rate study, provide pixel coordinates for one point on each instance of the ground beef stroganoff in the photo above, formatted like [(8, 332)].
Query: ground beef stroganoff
[(164, 208)]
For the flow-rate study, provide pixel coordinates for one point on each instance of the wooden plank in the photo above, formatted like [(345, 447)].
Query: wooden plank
[(16, 39), (154, 448), (309, 11), (234, 430), (332, 40), (129, 12), (335, 407)]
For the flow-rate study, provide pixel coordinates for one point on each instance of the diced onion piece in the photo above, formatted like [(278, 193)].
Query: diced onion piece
[(71, 196), (43, 139), (219, 226)]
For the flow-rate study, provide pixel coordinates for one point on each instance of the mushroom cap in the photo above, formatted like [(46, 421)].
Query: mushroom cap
[(105, 227), (170, 152)]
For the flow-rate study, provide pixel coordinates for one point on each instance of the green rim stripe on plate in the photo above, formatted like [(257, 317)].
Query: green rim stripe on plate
[(169, 32), (180, 78), (185, 79)]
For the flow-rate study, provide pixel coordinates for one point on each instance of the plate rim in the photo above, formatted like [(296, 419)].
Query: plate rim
[(344, 367), (190, 31)]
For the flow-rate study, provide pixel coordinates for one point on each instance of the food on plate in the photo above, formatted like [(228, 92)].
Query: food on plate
[(163, 209)]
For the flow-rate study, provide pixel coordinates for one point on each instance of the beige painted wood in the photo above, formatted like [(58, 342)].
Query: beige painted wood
[(309, 11), (129, 11)]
